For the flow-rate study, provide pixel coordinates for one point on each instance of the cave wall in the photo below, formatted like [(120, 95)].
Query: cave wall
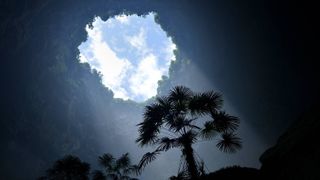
[(237, 46)]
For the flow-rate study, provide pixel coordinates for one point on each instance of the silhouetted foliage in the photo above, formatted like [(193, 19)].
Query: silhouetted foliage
[(234, 172), (98, 175), (116, 169), (180, 176), (174, 121), (72, 168), (68, 168)]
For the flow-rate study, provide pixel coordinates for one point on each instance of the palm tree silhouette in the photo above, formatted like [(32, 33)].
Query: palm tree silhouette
[(176, 121), (68, 168), (116, 169), (180, 176), (98, 175)]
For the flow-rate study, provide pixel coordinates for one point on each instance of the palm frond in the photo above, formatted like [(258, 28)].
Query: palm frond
[(147, 138), (154, 113), (208, 131), (133, 169), (229, 143), (224, 122), (205, 103), (150, 127), (189, 137), (98, 175), (215, 99), (167, 143), (106, 160), (181, 122), (182, 175), (147, 158), (180, 94), (169, 119), (123, 161), (191, 126), (164, 102), (176, 124)]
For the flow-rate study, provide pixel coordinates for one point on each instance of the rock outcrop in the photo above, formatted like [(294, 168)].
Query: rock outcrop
[(296, 154)]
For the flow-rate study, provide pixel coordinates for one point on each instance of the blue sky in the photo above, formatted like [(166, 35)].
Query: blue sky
[(132, 53)]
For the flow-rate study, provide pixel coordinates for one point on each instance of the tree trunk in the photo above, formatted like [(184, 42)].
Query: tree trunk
[(191, 163)]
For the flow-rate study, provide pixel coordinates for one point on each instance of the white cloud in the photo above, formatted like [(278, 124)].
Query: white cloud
[(169, 51), (122, 18), (144, 81), (139, 41), (107, 62), (131, 52), (83, 58)]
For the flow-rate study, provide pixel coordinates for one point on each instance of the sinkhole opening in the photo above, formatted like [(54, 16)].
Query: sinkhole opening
[(131, 52)]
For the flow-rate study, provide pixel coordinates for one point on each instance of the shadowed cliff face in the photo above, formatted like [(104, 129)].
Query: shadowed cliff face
[(260, 56), (296, 154), (234, 172)]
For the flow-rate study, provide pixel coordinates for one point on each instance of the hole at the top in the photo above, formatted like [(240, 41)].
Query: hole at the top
[(131, 52)]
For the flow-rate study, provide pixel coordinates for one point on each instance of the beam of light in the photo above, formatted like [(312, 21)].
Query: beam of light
[(131, 52)]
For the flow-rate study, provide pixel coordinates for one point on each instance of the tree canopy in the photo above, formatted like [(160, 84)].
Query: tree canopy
[(181, 119)]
